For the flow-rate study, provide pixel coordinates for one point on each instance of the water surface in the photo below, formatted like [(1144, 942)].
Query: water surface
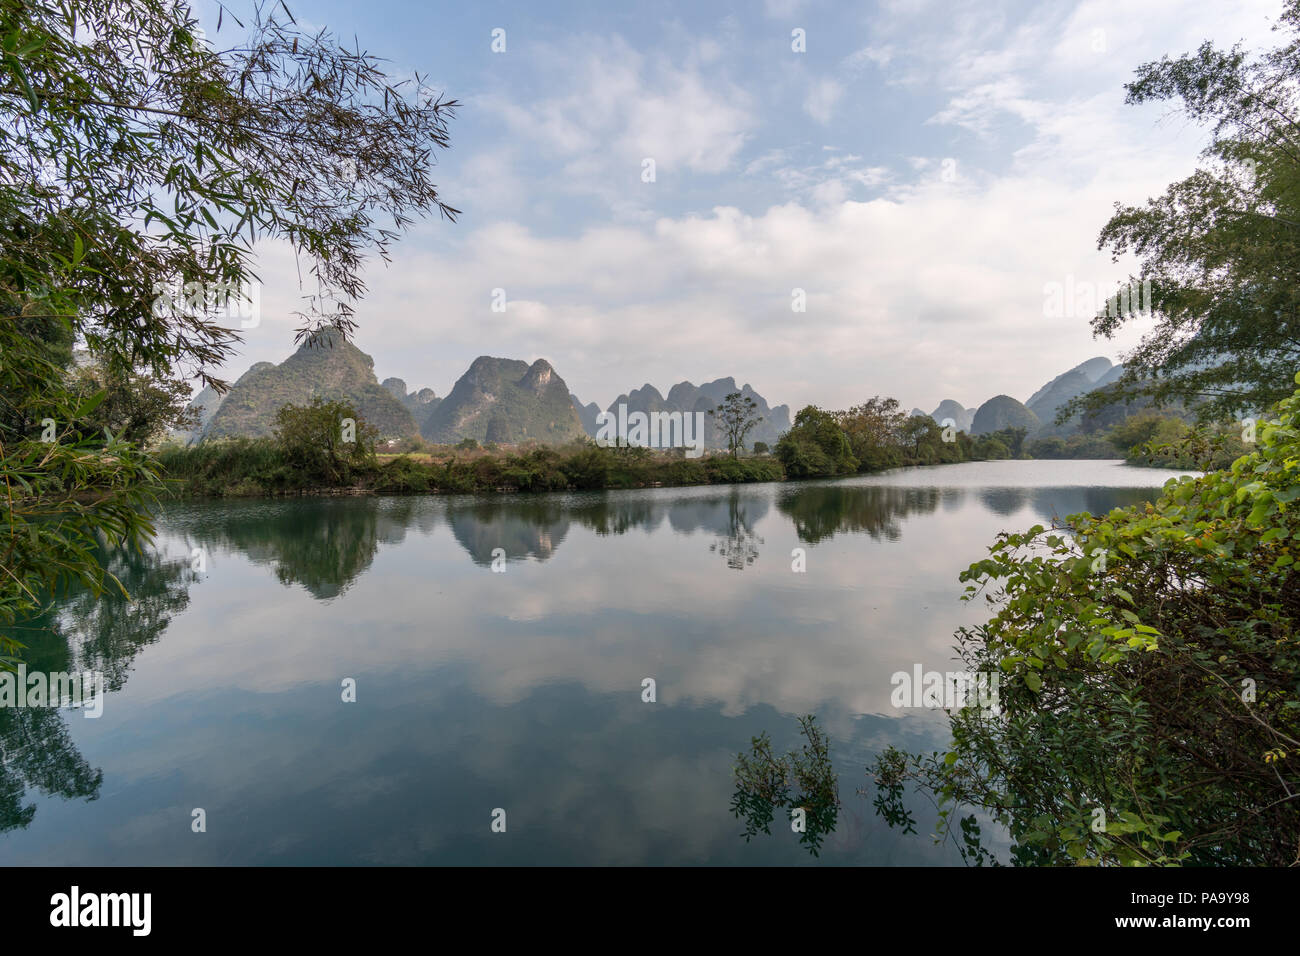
[(521, 689)]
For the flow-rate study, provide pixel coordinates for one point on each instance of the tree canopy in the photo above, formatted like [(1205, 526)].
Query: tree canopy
[(138, 157), (1221, 248)]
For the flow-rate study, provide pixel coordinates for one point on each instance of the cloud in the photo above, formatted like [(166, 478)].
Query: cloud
[(913, 276), (878, 56), (615, 106), (782, 9), (934, 276), (822, 98)]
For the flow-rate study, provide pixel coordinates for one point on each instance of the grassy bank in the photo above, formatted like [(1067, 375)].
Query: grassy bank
[(258, 467)]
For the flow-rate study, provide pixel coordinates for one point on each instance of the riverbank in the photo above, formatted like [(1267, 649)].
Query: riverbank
[(250, 468), (263, 468)]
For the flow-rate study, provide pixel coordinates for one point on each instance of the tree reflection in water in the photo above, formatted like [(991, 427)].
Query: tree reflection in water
[(739, 546), (87, 632), (802, 783)]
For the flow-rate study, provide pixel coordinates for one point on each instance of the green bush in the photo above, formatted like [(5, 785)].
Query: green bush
[(325, 442), (1150, 664), (815, 446), (587, 469), (403, 474)]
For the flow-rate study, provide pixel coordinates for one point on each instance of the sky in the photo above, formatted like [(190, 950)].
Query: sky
[(921, 172)]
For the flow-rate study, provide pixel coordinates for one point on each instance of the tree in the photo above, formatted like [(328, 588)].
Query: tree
[(327, 441), (874, 430), (1221, 248), (1012, 438), (737, 416), (1052, 447), (917, 431), (1146, 427), (148, 159), (1148, 661), (815, 446), (139, 407)]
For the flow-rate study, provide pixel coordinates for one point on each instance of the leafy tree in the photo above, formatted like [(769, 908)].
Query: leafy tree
[(737, 416), (139, 407), (989, 448), (136, 156), (48, 344), (917, 431), (1149, 662), (326, 441), (815, 446), (1144, 428), (1012, 438), (874, 430), (1221, 248), (1053, 447)]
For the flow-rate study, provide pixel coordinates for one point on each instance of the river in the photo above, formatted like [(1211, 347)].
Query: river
[(458, 680)]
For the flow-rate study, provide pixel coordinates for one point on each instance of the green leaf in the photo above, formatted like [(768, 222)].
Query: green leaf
[(91, 403)]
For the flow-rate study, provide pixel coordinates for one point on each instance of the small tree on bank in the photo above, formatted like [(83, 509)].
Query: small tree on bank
[(327, 441), (737, 416)]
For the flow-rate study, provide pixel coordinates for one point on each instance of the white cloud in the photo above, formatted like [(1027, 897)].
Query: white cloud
[(878, 56), (938, 276), (917, 287), (617, 106), (822, 98)]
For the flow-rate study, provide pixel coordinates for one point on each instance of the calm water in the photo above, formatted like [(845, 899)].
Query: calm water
[(519, 690)]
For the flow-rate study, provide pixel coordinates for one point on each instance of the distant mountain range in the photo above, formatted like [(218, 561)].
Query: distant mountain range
[(325, 365), (688, 398), (500, 400), (508, 401), (1037, 415)]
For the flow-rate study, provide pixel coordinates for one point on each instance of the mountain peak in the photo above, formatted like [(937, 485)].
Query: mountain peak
[(326, 366), (539, 376), (505, 400)]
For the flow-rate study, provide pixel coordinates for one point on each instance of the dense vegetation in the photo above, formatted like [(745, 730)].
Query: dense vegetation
[(1150, 706), (136, 157), (868, 438), (877, 435), (871, 437), (312, 451), (1220, 248), (1149, 711)]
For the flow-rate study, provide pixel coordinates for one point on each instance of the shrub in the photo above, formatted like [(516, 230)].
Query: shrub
[(815, 446), (1151, 660)]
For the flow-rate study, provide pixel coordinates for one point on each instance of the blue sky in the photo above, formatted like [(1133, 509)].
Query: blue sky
[(921, 171)]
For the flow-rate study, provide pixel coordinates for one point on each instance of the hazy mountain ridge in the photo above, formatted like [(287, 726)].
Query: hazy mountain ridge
[(419, 404), (1037, 415), (497, 400), (508, 401), (1003, 411), (688, 398), (951, 409), (587, 414)]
